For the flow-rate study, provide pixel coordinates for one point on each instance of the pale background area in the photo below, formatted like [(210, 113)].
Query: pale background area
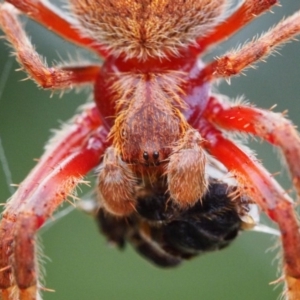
[(81, 265)]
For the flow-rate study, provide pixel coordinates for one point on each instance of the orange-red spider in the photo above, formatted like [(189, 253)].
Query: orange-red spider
[(155, 124)]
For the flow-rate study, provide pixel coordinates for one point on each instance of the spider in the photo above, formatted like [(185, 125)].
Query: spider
[(155, 118)]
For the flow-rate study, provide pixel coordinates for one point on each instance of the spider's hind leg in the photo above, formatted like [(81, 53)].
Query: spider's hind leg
[(33, 64), (234, 62), (55, 20)]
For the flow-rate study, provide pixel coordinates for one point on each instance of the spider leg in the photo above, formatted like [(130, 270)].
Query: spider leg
[(270, 126), (51, 181), (235, 61), (264, 189), (248, 11), (55, 78), (52, 18)]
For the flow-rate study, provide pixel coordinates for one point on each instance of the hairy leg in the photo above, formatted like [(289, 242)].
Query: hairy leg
[(247, 12), (270, 126), (262, 188), (48, 185), (49, 16), (46, 77), (235, 62)]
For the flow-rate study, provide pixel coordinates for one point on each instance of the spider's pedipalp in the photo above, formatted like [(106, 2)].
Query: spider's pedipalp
[(185, 171), (116, 184)]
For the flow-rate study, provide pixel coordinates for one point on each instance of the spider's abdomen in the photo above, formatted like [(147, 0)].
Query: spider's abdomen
[(143, 29)]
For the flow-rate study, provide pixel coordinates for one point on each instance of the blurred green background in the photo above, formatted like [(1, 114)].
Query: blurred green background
[(81, 265)]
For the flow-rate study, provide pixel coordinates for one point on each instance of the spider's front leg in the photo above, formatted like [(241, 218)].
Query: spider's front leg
[(48, 185), (277, 130), (270, 126), (267, 193)]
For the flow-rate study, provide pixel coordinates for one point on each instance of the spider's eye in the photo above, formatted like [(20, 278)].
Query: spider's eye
[(155, 155), (145, 155)]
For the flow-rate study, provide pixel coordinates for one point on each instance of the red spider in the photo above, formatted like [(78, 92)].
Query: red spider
[(155, 120)]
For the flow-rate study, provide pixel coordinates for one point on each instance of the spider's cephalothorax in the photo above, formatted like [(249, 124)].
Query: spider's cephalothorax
[(155, 123), (150, 135)]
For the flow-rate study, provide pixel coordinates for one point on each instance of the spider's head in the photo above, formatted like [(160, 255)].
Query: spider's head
[(149, 122), (150, 143), (147, 28)]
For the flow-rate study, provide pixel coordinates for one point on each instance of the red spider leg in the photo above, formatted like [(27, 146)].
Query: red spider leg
[(270, 126), (234, 62), (264, 189), (248, 11), (53, 19), (53, 179), (69, 140), (56, 78), (81, 126)]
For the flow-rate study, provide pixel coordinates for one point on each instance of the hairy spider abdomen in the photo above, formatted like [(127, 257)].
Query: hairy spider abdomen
[(148, 28)]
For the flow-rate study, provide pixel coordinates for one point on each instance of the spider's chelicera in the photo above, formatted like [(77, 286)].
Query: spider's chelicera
[(151, 132)]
